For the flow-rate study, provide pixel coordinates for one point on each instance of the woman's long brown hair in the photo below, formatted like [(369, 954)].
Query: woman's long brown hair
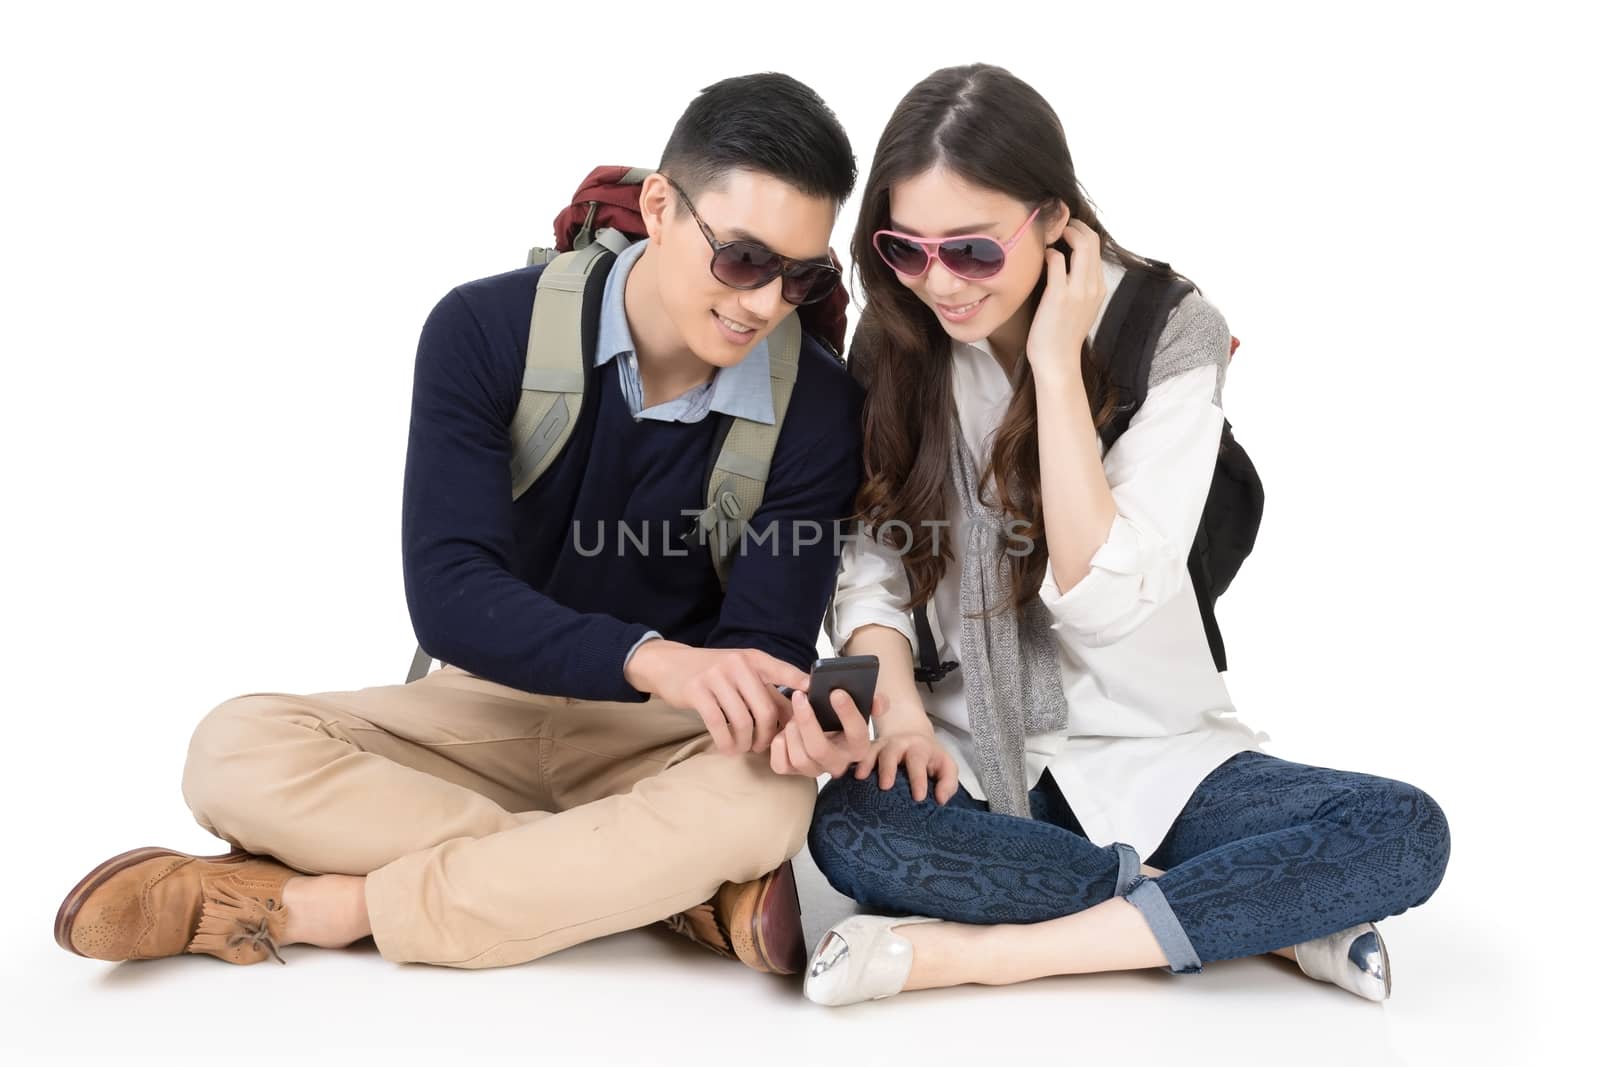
[(993, 130)]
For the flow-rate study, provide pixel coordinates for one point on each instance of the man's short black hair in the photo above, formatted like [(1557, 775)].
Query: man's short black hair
[(767, 123)]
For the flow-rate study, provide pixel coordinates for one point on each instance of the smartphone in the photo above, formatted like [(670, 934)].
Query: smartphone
[(856, 675)]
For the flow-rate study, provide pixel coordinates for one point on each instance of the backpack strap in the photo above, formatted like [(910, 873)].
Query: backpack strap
[(420, 662), (1129, 332), (553, 374), (737, 479), (928, 669), (1206, 586)]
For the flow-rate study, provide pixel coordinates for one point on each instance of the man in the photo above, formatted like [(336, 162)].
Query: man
[(596, 752)]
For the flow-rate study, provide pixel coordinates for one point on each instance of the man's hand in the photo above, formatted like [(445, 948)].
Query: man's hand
[(803, 748), (732, 689)]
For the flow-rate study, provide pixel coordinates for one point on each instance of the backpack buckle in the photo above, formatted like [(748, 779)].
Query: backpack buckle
[(930, 675), (725, 513), (584, 236)]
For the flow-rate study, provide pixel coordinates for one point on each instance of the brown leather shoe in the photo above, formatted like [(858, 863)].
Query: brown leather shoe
[(155, 902), (756, 923)]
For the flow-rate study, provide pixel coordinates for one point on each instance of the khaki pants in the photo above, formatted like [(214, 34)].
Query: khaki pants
[(493, 825)]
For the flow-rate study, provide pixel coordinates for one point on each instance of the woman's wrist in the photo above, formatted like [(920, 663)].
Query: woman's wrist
[(1057, 368), (904, 715)]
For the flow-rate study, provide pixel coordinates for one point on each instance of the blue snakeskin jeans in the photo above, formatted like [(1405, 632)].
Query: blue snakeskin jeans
[(1266, 853)]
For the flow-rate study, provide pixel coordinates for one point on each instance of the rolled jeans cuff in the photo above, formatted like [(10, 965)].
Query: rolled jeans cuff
[(1146, 895), (1127, 867)]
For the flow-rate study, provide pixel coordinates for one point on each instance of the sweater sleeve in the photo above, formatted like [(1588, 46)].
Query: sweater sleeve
[(780, 583), (466, 606)]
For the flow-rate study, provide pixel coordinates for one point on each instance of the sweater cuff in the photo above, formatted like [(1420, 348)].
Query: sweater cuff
[(647, 637), (605, 664)]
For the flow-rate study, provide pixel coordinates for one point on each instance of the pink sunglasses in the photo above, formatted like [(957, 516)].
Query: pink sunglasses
[(972, 256)]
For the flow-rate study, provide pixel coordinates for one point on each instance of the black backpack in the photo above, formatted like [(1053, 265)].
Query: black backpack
[(1129, 330)]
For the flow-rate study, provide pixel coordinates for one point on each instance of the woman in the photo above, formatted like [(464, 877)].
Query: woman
[(1079, 795)]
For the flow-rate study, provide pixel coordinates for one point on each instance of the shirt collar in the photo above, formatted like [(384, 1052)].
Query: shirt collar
[(615, 337), (743, 390)]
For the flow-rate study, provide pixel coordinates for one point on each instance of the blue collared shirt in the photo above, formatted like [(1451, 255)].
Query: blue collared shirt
[(743, 390)]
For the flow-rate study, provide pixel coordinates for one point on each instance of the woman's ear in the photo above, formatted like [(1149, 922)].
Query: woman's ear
[(655, 199), (1058, 224)]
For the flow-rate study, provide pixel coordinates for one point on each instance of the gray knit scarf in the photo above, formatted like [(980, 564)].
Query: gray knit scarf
[(1009, 665)]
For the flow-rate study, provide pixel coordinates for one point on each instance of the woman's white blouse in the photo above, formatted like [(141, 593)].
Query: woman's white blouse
[(1148, 713)]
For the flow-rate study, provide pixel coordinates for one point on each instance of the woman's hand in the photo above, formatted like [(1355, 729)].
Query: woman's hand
[(922, 756), (1070, 302), (801, 747)]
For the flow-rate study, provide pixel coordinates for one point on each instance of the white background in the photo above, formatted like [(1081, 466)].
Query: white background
[(224, 225)]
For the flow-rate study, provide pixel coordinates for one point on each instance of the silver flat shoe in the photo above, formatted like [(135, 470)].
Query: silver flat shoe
[(1354, 959), (860, 958)]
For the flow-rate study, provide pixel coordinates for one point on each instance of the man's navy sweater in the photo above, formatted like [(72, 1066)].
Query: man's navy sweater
[(500, 588)]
